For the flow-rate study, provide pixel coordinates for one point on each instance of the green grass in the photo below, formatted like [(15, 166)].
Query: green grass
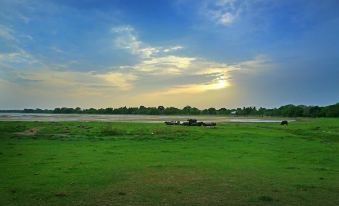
[(98, 163)]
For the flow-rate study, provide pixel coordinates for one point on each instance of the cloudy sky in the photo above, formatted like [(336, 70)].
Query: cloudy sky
[(203, 53)]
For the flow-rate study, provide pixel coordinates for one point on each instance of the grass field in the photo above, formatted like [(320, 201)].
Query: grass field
[(101, 163)]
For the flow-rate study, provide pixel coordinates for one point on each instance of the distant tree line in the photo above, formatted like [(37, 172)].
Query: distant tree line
[(286, 111)]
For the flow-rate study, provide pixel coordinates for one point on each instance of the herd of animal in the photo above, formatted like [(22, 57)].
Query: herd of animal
[(194, 122), (191, 122)]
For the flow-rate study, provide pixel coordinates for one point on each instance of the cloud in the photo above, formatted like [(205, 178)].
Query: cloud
[(170, 73), (216, 84), (225, 19), (127, 39), (208, 75), (156, 62), (160, 72), (17, 59), (124, 28), (166, 65), (175, 48), (13, 55), (118, 79), (223, 12), (70, 80), (259, 63), (7, 33), (57, 49)]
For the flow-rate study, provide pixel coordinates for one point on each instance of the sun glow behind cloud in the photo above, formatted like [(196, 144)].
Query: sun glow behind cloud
[(217, 84)]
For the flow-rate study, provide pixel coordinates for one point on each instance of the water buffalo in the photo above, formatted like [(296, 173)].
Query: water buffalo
[(196, 124), (185, 123), (169, 123), (210, 124), (284, 122), (192, 121), (172, 122)]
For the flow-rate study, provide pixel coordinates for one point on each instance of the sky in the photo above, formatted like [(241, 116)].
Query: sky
[(202, 53)]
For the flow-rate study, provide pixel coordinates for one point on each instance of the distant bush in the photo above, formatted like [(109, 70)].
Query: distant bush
[(289, 110)]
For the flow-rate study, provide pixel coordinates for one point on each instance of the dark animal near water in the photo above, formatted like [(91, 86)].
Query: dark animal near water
[(284, 122)]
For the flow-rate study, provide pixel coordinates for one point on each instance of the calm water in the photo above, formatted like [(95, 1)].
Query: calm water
[(127, 118)]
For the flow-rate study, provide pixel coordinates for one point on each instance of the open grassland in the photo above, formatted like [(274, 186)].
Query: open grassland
[(101, 163)]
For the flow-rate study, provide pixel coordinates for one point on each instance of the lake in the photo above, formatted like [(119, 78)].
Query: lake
[(131, 118)]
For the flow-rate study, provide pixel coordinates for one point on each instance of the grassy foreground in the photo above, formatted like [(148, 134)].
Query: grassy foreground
[(98, 163)]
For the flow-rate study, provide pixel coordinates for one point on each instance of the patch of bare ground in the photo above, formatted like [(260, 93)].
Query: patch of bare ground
[(29, 132)]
